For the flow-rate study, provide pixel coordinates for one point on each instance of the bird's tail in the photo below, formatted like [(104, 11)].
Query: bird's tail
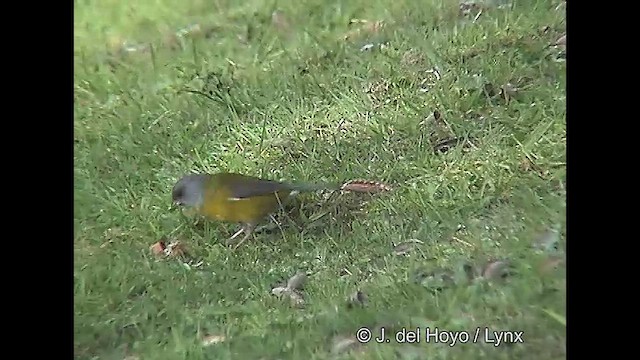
[(311, 187)]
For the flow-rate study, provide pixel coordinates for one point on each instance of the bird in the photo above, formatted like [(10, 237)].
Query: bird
[(237, 198)]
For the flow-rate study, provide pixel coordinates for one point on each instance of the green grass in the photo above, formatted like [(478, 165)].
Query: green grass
[(299, 102)]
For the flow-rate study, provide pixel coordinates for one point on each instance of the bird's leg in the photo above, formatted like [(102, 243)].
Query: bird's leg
[(235, 235), (248, 231)]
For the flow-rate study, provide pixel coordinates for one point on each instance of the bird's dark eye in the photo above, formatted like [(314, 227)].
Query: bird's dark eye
[(177, 194)]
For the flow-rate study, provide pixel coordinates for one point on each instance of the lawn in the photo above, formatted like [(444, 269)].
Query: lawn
[(460, 109)]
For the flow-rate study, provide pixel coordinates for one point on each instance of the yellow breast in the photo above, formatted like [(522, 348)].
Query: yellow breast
[(219, 205)]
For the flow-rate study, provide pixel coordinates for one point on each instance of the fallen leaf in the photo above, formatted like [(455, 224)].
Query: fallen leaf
[(158, 248), (296, 281), (213, 339), (176, 249), (365, 186), (562, 40)]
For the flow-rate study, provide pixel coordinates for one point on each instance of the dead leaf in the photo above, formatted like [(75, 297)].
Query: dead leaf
[(209, 340), (562, 40), (176, 249), (365, 186), (158, 248), (296, 281), (357, 299)]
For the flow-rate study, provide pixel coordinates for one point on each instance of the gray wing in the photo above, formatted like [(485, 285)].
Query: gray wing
[(242, 186)]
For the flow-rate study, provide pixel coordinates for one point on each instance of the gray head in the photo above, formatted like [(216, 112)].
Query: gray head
[(189, 190)]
